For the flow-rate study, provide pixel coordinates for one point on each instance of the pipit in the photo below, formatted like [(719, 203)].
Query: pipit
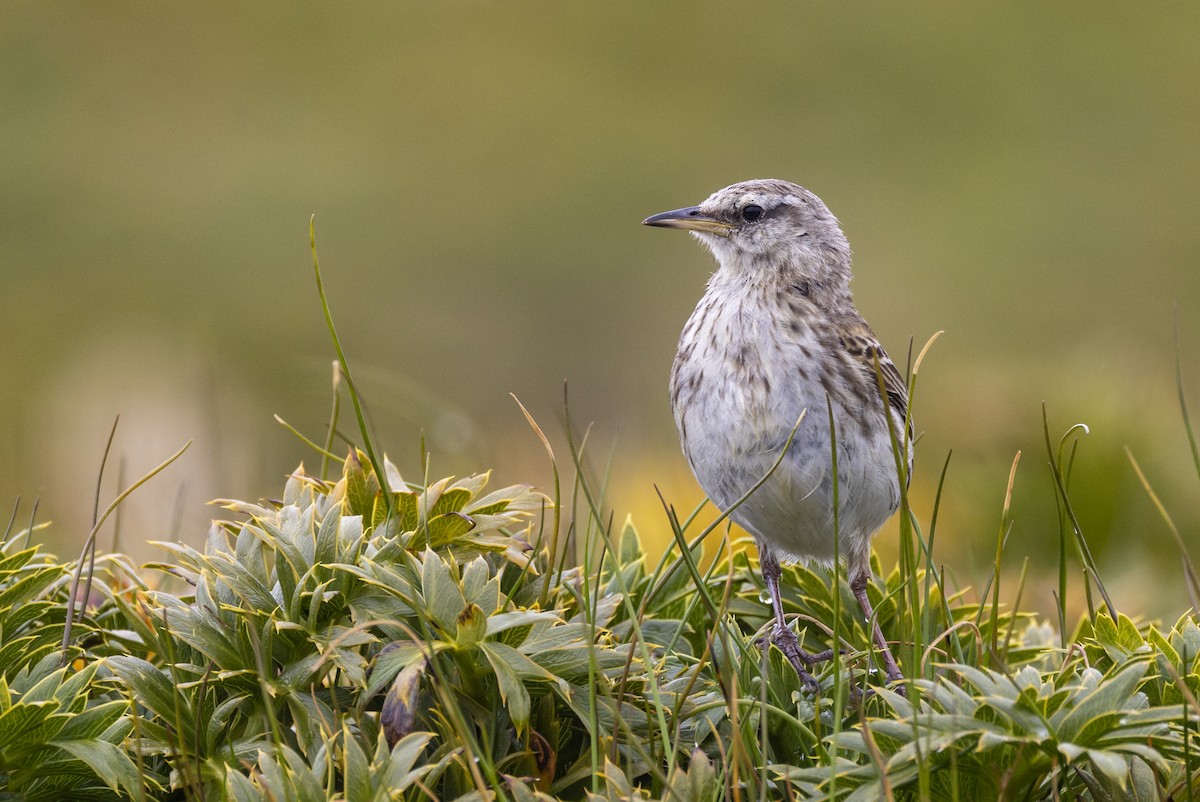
[(775, 340)]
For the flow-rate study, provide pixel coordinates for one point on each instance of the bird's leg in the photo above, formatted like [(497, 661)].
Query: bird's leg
[(858, 584), (782, 636)]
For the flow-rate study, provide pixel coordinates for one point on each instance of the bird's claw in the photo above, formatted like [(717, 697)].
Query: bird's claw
[(801, 660)]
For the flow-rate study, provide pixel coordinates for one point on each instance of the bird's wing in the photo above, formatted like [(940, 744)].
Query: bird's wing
[(864, 349)]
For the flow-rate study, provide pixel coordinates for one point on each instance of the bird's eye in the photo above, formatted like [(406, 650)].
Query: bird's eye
[(752, 212)]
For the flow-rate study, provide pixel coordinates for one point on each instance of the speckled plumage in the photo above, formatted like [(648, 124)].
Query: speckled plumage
[(776, 335)]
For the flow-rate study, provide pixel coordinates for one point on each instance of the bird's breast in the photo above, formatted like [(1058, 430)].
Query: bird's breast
[(742, 377)]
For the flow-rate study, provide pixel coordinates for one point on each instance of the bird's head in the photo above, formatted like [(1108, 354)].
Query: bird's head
[(766, 225)]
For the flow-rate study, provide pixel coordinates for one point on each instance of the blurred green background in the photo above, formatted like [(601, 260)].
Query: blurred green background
[(1025, 177)]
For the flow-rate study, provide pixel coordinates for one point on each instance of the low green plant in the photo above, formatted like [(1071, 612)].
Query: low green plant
[(323, 648), (63, 730), (333, 645)]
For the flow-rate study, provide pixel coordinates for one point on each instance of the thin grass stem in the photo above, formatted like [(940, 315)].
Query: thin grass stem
[(380, 472)]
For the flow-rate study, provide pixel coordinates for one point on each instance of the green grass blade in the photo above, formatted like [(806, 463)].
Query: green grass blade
[(380, 472)]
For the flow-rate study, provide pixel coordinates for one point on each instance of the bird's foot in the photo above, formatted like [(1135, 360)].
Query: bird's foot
[(858, 584), (801, 660)]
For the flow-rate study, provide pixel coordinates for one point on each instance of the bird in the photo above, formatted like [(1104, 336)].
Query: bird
[(773, 352)]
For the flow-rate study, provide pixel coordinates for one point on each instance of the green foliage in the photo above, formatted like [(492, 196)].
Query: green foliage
[(32, 600), (367, 640), (983, 734), (63, 730), (55, 740)]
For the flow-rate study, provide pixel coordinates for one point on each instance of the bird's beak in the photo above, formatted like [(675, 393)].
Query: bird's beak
[(691, 219)]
